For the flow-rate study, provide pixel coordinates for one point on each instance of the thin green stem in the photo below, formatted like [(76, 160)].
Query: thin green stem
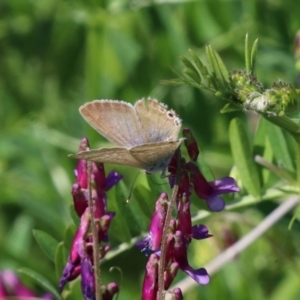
[(166, 229), (95, 235), (297, 152), (281, 173)]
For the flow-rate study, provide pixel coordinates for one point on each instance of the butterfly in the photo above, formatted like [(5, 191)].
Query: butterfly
[(145, 134)]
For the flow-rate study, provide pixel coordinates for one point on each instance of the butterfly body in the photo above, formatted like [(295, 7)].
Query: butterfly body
[(146, 133)]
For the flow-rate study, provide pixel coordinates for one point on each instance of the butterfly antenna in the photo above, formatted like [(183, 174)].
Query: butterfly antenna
[(132, 186)]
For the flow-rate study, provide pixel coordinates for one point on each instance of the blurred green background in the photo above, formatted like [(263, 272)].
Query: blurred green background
[(56, 55)]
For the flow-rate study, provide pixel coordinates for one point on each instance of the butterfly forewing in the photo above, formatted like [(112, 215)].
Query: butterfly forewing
[(115, 120)]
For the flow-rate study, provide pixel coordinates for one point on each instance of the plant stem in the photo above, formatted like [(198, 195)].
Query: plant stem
[(166, 229), (95, 235), (281, 173), (297, 150)]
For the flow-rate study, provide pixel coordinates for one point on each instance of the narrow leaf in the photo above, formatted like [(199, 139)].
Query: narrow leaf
[(243, 157), (218, 67), (279, 144), (229, 107), (174, 81), (211, 78), (247, 55), (209, 58), (60, 259), (263, 147), (253, 56), (192, 75), (221, 67), (41, 280), (193, 72), (119, 226), (145, 201), (202, 68), (47, 243), (69, 234)]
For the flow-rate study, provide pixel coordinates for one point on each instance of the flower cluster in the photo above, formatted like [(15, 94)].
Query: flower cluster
[(80, 260), (180, 230), (12, 287)]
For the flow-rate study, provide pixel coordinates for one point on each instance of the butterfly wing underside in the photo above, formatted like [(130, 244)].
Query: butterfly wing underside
[(159, 123), (116, 155), (117, 121), (155, 156)]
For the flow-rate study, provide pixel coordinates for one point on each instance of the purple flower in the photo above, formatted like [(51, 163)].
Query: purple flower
[(190, 144), (177, 294), (184, 218), (153, 239), (87, 280), (210, 191), (150, 287), (12, 287), (170, 274), (80, 260), (100, 183), (200, 232), (109, 291), (180, 256), (77, 252)]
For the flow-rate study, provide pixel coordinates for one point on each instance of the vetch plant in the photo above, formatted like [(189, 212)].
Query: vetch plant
[(168, 238), (152, 143)]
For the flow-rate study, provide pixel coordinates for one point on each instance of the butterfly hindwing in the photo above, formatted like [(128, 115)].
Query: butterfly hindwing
[(155, 156), (116, 155)]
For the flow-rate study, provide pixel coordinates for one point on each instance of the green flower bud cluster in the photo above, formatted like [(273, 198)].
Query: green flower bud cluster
[(249, 93)]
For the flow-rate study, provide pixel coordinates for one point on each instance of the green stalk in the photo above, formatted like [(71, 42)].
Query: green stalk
[(297, 151)]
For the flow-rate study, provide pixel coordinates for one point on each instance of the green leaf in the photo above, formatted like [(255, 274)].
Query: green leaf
[(218, 67), (117, 202), (175, 81), (229, 107), (192, 75), (243, 157), (191, 70), (69, 234), (60, 259), (20, 237), (74, 215), (211, 78), (247, 56), (46, 242), (253, 56), (222, 70), (263, 147), (278, 142), (145, 201), (202, 68), (41, 280)]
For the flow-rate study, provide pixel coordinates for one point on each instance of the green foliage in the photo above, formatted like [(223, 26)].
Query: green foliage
[(56, 55), (46, 242), (41, 281), (241, 149)]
